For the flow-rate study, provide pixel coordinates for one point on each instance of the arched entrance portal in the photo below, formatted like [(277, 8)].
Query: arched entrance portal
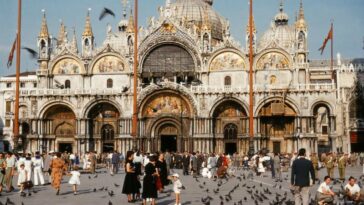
[(166, 122), (168, 135), (103, 127), (229, 125), (277, 127), (59, 128)]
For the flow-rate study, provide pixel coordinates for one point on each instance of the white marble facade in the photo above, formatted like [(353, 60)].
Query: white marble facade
[(192, 90)]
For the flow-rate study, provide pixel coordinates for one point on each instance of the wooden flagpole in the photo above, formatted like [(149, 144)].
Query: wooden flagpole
[(17, 77), (251, 95), (332, 54), (134, 132)]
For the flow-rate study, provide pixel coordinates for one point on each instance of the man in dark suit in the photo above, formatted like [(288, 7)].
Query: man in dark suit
[(186, 163), (302, 168)]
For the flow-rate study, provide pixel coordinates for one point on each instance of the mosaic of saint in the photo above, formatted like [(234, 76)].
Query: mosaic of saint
[(273, 61), (227, 61), (67, 66), (109, 64), (230, 111), (166, 104)]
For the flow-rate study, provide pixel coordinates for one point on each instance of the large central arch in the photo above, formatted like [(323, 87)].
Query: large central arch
[(161, 112), (59, 128), (230, 124), (103, 126)]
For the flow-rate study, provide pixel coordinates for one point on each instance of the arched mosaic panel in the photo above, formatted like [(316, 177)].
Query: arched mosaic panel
[(227, 61), (109, 64), (67, 66), (273, 60)]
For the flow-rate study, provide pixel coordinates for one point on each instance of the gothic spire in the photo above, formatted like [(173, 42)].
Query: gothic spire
[(88, 27), (44, 28)]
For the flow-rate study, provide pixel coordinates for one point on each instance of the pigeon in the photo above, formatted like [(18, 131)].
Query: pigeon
[(33, 53), (9, 202), (95, 176), (105, 12), (110, 203), (116, 185), (89, 177), (111, 193), (94, 190)]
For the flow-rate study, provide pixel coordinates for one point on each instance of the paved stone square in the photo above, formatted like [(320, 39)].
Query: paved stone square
[(195, 190)]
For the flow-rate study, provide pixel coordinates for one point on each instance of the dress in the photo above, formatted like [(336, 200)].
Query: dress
[(58, 166), (2, 172), (261, 168), (75, 178), (149, 186), (131, 182), (162, 168), (22, 176)]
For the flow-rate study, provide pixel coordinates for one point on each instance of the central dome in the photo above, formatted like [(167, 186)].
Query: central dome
[(193, 11)]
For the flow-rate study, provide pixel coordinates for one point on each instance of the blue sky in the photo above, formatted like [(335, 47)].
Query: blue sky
[(348, 18)]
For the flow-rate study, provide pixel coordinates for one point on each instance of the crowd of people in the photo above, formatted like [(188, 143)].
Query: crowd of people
[(147, 174)]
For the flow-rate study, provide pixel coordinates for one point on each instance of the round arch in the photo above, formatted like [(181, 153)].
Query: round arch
[(273, 50), (68, 56), (41, 113), (228, 50), (287, 101), (177, 95), (323, 103), (93, 103), (112, 55), (157, 44), (226, 99)]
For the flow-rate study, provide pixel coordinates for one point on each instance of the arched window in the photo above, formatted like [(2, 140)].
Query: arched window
[(67, 84), (109, 83), (227, 81), (230, 131)]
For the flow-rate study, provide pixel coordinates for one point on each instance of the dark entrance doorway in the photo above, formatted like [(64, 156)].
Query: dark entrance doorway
[(277, 147), (169, 142), (107, 138), (230, 148), (65, 147)]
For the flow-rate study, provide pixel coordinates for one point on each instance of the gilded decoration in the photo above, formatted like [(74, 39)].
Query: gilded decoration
[(273, 61), (109, 64), (67, 66), (230, 111), (227, 61), (166, 104)]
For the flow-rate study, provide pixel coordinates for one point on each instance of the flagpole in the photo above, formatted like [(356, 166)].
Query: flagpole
[(332, 53), (17, 79), (134, 132), (251, 101)]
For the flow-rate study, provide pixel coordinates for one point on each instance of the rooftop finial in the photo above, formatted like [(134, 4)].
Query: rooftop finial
[(281, 6), (88, 28), (44, 28)]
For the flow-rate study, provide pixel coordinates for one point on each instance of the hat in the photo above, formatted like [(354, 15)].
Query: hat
[(175, 175)]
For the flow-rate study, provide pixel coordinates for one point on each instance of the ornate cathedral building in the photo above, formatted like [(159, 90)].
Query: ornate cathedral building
[(193, 89)]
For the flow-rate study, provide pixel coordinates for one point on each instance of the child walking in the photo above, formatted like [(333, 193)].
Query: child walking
[(177, 187), (23, 180), (75, 179)]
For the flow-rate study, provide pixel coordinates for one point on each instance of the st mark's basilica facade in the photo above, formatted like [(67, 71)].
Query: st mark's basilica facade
[(192, 91)]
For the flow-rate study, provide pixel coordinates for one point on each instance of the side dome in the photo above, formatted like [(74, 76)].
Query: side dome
[(280, 32), (193, 12)]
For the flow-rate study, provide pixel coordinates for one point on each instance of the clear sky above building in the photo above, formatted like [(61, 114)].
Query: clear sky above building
[(348, 17)]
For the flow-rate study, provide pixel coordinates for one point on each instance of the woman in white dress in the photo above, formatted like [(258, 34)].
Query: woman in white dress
[(75, 179), (260, 166), (22, 177)]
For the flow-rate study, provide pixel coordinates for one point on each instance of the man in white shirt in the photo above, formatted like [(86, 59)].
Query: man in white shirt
[(352, 190), (324, 193)]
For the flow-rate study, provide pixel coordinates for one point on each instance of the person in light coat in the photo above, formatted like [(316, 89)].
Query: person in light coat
[(38, 169)]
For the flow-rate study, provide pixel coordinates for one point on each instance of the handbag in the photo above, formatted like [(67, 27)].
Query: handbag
[(28, 184)]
